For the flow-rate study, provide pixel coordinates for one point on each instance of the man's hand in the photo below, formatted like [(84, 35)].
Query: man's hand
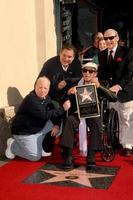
[(96, 81), (115, 88), (72, 90), (62, 84), (55, 130), (66, 105)]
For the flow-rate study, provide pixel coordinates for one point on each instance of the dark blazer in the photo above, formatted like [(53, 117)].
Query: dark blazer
[(119, 72)]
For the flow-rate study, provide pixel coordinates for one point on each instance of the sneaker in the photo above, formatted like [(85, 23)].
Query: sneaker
[(8, 152), (45, 154)]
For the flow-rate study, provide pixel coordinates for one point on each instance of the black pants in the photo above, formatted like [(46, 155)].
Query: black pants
[(48, 142), (71, 128)]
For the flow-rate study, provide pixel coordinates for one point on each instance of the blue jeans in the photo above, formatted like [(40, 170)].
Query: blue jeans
[(30, 146)]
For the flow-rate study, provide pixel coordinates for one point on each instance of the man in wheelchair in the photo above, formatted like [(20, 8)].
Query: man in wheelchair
[(94, 143)]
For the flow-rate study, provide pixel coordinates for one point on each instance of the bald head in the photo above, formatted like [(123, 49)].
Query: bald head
[(42, 86), (111, 37), (111, 31)]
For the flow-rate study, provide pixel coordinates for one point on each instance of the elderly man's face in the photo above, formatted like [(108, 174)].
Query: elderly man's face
[(111, 37), (66, 57), (42, 87), (88, 74)]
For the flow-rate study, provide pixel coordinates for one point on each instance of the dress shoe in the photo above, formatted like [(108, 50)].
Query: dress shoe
[(90, 166), (127, 152), (90, 160), (68, 163)]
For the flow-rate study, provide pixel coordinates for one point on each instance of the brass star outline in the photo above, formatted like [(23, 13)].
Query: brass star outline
[(78, 175)]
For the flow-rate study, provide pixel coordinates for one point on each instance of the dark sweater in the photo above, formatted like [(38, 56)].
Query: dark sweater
[(52, 68), (33, 114)]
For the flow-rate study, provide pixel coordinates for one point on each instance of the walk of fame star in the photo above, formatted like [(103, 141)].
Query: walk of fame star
[(86, 95), (78, 175), (52, 174)]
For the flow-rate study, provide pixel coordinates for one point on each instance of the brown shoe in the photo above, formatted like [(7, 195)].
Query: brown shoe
[(127, 152)]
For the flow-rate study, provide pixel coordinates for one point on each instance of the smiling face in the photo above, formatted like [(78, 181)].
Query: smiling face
[(66, 56), (42, 86), (111, 37)]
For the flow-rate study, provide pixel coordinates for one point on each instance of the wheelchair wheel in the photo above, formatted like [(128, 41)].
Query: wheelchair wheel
[(113, 127), (108, 154)]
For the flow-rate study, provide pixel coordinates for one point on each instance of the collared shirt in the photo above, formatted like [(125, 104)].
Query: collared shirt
[(65, 67), (114, 50)]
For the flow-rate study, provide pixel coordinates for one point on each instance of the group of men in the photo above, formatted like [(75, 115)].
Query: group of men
[(38, 117)]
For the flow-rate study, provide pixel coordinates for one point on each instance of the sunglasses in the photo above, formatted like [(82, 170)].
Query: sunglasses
[(109, 38), (88, 70)]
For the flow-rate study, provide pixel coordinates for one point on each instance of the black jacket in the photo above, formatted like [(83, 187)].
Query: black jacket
[(106, 93), (91, 52), (33, 114), (121, 71), (52, 68)]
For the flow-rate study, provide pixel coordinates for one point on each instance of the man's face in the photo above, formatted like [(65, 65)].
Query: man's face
[(111, 39), (88, 74), (66, 57), (42, 87)]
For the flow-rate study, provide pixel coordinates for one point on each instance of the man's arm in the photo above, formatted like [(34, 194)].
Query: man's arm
[(106, 93)]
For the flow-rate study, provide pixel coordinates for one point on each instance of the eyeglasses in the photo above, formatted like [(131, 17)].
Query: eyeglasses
[(88, 70), (109, 38)]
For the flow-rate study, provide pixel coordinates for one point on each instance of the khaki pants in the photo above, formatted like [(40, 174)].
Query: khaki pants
[(125, 112)]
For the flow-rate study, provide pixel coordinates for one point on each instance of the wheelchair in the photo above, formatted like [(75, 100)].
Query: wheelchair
[(110, 131)]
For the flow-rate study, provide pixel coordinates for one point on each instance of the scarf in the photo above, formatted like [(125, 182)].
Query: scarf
[(82, 132)]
